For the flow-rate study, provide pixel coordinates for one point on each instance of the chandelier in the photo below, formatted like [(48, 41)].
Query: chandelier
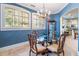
[(43, 12)]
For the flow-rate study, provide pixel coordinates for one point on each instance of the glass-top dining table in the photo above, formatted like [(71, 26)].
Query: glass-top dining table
[(42, 40)]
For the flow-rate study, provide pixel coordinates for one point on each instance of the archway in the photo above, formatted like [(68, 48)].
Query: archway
[(69, 23)]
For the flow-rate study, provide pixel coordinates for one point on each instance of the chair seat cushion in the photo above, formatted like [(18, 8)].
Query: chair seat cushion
[(53, 47), (40, 49)]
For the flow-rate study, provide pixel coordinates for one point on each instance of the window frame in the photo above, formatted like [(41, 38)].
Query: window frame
[(40, 22), (3, 28)]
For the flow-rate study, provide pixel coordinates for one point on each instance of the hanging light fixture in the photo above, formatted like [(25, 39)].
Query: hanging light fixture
[(43, 12)]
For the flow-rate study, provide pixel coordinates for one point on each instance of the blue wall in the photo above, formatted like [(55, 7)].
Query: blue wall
[(68, 8), (16, 36), (57, 18)]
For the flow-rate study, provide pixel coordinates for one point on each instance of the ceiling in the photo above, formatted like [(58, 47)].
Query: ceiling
[(54, 8), (73, 12)]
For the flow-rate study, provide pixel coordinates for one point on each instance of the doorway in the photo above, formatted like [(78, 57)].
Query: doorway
[(69, 23)]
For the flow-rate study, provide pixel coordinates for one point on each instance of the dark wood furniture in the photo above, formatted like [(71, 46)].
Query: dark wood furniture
[(75, 35), (58, 49), (43, 42), (61, 44), (52, 31), (34, 47)]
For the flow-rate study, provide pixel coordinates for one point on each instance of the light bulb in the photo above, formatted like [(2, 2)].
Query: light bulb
[(49, 12)]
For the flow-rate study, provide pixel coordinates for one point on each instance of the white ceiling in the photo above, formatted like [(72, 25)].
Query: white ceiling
[(53, 7), (73, 12)]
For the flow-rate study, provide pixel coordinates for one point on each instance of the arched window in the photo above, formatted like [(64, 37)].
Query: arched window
[(38, 21), (14, 17)]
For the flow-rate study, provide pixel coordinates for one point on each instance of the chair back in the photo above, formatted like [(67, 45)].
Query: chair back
[(32, 42), (62, 41)]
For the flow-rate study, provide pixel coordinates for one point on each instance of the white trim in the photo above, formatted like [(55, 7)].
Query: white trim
[(78, 32), (13, 46), (0, 16), (61, 8), (28, 6)]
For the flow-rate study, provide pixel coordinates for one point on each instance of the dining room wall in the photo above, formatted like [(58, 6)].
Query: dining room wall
[(56, 17), (11, 37)]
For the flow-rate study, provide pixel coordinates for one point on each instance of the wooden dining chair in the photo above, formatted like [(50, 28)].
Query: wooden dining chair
[(58, 48), (34, 47)]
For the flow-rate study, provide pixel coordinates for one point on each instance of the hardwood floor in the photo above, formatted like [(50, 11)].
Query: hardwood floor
[(71, 48)]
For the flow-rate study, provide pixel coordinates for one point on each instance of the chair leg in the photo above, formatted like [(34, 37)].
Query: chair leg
[(58, 53), (30, 53), (36, 54), (63, 52), (47, 54)]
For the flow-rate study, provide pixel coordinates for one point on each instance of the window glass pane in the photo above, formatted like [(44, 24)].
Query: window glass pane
[(25, 14), (42, 22), (20, 21), (8, 17), (9, 21), (25, 22), (8, 11), (16, 12), (16, 18), (34, 25), (38, 21), (16, 21), (38, 25), (34, 21), (20, 13)]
